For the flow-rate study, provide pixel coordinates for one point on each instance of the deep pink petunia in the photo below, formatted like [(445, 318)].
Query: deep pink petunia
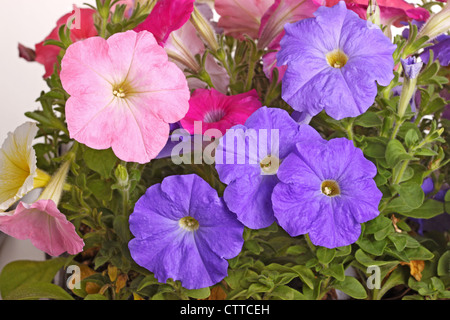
[(48, 54), (44, 225), (124, 93), (167, 16), (392, 12), (241, 17), (216, 110)]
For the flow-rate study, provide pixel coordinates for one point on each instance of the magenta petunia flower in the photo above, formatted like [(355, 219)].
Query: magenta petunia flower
[(124, 93), (44, 225), (184, 231), (334, 62), (215, 110), (327, 190), (166, 16)]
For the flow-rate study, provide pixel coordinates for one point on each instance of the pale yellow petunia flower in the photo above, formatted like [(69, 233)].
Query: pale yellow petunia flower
[(18, 171)]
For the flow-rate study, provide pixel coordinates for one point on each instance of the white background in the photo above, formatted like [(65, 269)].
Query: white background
[(27, 22)]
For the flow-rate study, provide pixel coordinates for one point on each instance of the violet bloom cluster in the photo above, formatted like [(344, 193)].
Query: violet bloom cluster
[(334, 62), (247, 160), (185, 232)]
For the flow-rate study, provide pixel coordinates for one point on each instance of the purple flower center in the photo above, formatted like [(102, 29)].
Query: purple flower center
[(214, 116), (330, 188), (270, 165), (336, 58), (188, 223)]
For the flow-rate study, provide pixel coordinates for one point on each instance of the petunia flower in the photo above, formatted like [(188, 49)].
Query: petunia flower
[(42, 223), (281, 12), (392, 12), (18, 171), (247, 160), (47, 55), (185, 232), (124, 93), (326, 190), (334, 62), (165, 17), (440, 48), (183, 45), (215, 110), (239, 18)]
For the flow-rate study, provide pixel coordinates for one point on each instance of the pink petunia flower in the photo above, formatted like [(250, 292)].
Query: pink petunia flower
[(167, 16), (44, 225), (272, 29), (215, 110), (392, 12), (124, 93), (241, 17), (47, 55)]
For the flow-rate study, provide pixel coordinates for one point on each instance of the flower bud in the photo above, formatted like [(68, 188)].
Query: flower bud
[(438, 23)]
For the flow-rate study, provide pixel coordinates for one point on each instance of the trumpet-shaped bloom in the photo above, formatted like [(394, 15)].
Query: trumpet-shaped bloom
[(247, 160), (124, 93), (327, 190), (215, 110), (166, 16), (239, 18), (44, 225), (334, 62), (184, 231), (18, 171)]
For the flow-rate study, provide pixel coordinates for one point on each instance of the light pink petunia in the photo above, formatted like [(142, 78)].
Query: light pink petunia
[(183, 45), (167, 16), (281, 12), (272, 29), (215, 110), (124, 93), (241, 17), (44, 225)]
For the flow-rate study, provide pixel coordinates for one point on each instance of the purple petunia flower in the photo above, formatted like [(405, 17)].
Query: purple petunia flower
[(247, 160), (333, 62), (326, 189), (184, 231)]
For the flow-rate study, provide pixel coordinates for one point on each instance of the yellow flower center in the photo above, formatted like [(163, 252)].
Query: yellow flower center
[(188, 223), (330, 188), (336, 58), (122, 90), (270, 165)]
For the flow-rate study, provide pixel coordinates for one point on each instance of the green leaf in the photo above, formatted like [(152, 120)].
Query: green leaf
[(121, 228), (429, 209), (39, 290), (372, 246), (198, 293), (395, 152), (411, 193), (100, 161), (377, 224), (352, 287), (375, 147), (305, 274), (399, 240), (95, 297), (368, 119), (443, 268), (287, 293), (325, 255), (366, 261), (18, 273), (411, 138), (335, 270)]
